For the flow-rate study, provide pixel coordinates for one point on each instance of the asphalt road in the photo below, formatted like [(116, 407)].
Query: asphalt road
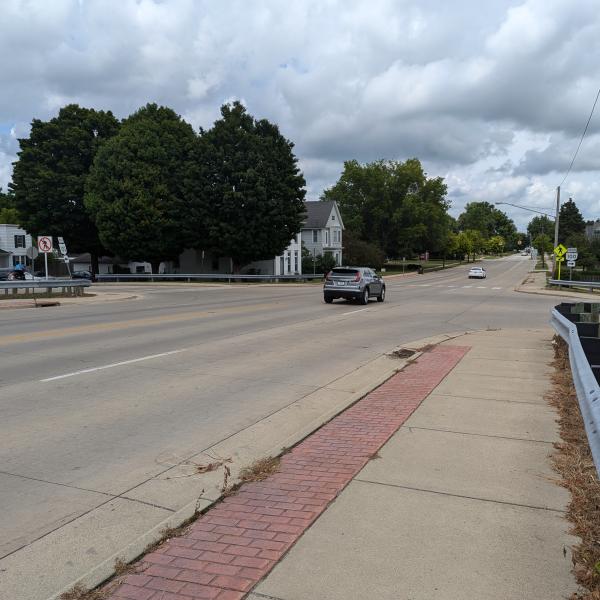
[(97, 400)]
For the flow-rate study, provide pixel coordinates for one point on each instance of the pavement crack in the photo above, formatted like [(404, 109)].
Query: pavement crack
[(486, 435), (466, 497)]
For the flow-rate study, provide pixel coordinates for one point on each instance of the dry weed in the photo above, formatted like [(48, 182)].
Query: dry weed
[(260, 469), (573, 461), (79, 592)]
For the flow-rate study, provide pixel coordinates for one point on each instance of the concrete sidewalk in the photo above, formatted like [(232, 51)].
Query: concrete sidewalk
[(461, 502), (436, 485)]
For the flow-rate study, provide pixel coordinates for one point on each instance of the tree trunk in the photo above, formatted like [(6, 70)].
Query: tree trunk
[(155, 264), (94, 264)]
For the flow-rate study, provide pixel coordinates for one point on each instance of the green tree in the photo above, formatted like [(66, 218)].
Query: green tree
[(8, 210), (540, 225), (246, 191), (477, 241), (495, 245), (489, 221), (393, 205), (570, 221), (360, 253), (49, 176), (135, 190), (542, 244), (463, 245)]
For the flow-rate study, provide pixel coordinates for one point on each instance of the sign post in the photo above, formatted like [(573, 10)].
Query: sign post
[(559, 252), (45, 246), (571, 258)]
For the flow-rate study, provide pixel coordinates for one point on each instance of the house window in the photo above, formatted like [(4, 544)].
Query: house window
[(315, 239), (333, 217), (289, 262), (296, 263), (18, 259), (327, 237), (19, 241)]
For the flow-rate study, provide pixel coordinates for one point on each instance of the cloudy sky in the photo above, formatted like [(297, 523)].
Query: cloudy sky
[(493, 95)]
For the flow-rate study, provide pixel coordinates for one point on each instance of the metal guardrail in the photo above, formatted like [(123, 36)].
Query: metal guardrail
[(567, 283), (188, 277), (19, 284), (588, 391)]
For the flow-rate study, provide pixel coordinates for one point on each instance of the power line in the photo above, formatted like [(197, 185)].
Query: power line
[(581, 140)]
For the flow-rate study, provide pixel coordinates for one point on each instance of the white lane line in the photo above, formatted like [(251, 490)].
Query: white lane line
[(496, 288), (467, 286), (354, 311), (451, 286), (119, 364), (482, 287), (424, 285)]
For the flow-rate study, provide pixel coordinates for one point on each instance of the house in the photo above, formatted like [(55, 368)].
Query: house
[(14, 242), (323, 229), (592, 230)]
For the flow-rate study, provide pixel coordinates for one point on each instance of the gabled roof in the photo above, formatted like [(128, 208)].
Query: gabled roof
[(317, 214)]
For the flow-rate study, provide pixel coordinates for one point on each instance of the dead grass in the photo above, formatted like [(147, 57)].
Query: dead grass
[(79, 592), (573, 461), (402, 353), (260, 469)]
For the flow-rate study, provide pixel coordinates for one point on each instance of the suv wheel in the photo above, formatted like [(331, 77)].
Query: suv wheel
[(364, 299), (381, 296), (328, 299)]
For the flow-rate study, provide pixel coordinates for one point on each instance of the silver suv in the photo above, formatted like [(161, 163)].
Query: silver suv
[(353, 283)]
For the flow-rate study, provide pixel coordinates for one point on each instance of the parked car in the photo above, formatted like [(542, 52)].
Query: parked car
[(353, 283), (82, 275), (477, 273)]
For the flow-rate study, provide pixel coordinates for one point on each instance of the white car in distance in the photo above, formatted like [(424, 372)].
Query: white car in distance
[(477, 273)]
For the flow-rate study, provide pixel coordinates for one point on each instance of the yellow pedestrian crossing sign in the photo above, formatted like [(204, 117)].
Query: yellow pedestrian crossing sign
[(560, 251)]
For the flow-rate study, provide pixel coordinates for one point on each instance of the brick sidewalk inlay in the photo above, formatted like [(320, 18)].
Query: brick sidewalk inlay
[(229, 549)]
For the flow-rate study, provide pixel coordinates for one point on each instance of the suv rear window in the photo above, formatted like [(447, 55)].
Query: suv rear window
[(345, 271)]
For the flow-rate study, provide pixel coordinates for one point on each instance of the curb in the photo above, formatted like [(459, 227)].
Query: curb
[(106, 569)]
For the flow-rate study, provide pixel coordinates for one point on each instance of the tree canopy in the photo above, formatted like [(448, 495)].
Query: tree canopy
[(570, 221), (540, 225), (489, 221), (135, 189), (246, 191), (393, 205), (49, 176), (8, 210)]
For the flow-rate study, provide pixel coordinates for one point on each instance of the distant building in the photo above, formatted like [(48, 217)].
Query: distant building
[(14, 242), (592, 230)]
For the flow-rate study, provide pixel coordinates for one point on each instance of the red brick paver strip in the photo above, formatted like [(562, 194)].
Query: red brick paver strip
[(230, 548)]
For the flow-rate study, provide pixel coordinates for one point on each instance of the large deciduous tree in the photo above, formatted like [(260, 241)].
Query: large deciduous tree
[(570, 221), (489, 221), (8, 210), (135, 190), (540, 225), (49, 176), (246, 191), (393, 205)]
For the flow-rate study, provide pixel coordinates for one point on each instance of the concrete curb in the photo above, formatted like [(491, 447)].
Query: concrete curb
[(135, 549)]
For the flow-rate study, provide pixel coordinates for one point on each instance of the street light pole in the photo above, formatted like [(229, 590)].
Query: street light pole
[(556, 229)]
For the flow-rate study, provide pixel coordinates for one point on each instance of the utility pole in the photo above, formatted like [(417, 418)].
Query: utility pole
[(556, 226)]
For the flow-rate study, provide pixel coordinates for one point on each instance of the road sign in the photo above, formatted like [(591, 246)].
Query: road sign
[(45, 244), (32, 253), (572, 254), (560, 250), (62, 246), (560, 259), (570, 263)]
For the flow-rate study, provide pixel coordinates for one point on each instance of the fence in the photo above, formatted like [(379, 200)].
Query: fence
[(592, 285), (588, 391), (74, 286), (189, 277)]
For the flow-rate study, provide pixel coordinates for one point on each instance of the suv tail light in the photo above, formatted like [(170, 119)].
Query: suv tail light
[(328, 276), (357, 277)]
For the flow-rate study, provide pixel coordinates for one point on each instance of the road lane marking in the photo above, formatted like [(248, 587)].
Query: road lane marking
[(467, 286), (496, 288), (482, 287), (353, 311), (118, 364), (133, 323)]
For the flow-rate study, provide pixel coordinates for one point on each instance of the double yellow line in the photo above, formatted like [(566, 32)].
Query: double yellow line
[(130, 324)]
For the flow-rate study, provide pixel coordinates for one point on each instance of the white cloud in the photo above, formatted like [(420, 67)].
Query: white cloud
[(493, 99)]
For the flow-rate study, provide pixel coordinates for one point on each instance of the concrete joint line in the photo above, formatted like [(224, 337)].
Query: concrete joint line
[(259, 595), (475, 498), (541, 403), (486, 435)]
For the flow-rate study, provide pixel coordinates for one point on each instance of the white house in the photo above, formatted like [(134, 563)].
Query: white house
[(14, 242), (323, 228)]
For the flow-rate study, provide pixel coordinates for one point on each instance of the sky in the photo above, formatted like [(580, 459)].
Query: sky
[(492, 96)]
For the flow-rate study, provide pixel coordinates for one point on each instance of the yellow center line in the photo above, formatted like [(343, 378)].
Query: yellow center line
[(120, 325)]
